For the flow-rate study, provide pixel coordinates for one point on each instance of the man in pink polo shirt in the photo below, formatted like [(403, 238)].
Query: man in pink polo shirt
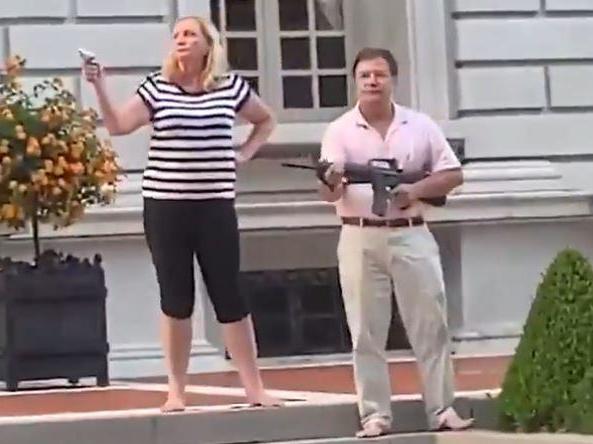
[(397, 252)]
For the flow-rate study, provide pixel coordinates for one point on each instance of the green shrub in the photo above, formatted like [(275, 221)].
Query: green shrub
[(555, 352), (580, 414)]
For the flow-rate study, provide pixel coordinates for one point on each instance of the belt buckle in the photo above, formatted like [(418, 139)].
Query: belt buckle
[(410, 222), (361, 222)]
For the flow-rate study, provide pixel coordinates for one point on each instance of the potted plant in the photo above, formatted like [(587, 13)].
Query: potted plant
[(52, 166)]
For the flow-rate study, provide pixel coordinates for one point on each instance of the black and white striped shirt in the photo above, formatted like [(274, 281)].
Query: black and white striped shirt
[(191, 153)]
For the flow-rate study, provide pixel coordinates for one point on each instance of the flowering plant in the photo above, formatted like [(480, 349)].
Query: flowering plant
[(52, 164)]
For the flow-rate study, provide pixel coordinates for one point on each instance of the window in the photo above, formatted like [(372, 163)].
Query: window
[(297, 53), (300, 67), (238, 24), (312, 55)]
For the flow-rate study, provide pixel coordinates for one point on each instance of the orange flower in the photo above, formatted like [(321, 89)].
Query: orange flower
[(54, 150), (33, 148)]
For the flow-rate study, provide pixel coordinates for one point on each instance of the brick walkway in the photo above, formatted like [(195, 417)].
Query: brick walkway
[(470, 373)]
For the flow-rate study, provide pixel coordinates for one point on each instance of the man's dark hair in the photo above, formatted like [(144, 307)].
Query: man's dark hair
[(375, 53)]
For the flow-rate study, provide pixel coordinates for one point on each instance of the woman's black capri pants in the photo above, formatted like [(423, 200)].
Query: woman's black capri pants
[(176, 230)]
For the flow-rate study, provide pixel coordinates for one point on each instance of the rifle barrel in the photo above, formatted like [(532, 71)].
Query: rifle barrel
[(298, 165)]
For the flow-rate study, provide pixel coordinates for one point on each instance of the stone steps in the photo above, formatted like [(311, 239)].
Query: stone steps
[(470, 437), (293, 423)]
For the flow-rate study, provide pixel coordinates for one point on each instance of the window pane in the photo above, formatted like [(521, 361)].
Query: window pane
[(293, 15), (240, 15), (253, 82), (332, 91), (242, 53), (330, 52), (328, 15), (297, 92), (295, 53)]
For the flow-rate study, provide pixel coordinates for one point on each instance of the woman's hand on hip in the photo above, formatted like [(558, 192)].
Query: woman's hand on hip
[(241, 157)]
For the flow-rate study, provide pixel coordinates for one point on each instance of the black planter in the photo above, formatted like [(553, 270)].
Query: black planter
[(52, 320)]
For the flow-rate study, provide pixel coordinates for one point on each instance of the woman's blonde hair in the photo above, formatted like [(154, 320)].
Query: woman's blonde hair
[(215, 66)]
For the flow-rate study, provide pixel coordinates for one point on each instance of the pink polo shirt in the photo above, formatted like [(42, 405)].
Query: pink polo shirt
[(413, 139)]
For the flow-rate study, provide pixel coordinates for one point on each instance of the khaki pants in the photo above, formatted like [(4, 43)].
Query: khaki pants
[(372, 262)]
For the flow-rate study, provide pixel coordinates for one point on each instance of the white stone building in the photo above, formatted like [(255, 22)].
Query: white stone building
[(514, 78)]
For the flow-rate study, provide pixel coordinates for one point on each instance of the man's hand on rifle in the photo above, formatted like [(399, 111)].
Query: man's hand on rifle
[(334, 174), (403, 195)]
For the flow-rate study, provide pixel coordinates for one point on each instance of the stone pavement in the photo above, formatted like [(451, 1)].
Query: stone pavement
[(319, 397)]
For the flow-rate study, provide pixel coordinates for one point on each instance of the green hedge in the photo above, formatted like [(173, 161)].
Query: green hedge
[(544, 388), (580, 414)]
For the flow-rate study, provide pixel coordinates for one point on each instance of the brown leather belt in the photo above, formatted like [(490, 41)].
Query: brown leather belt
[(403, 222)]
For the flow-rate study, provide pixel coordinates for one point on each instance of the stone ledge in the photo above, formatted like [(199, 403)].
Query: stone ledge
[(304, 423), (470, 437), (287, 215), (327, 420)]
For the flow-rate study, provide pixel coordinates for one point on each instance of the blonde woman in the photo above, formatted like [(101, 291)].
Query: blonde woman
[(189, 190)]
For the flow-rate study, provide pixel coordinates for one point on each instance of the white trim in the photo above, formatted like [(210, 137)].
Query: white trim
[(467, 209)]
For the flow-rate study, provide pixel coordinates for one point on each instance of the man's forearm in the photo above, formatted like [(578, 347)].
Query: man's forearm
[(331, 195), (438, 184)]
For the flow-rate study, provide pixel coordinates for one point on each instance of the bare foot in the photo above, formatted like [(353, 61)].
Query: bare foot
[(374, 428), (450, 420), (173, 404), (264, 400)]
